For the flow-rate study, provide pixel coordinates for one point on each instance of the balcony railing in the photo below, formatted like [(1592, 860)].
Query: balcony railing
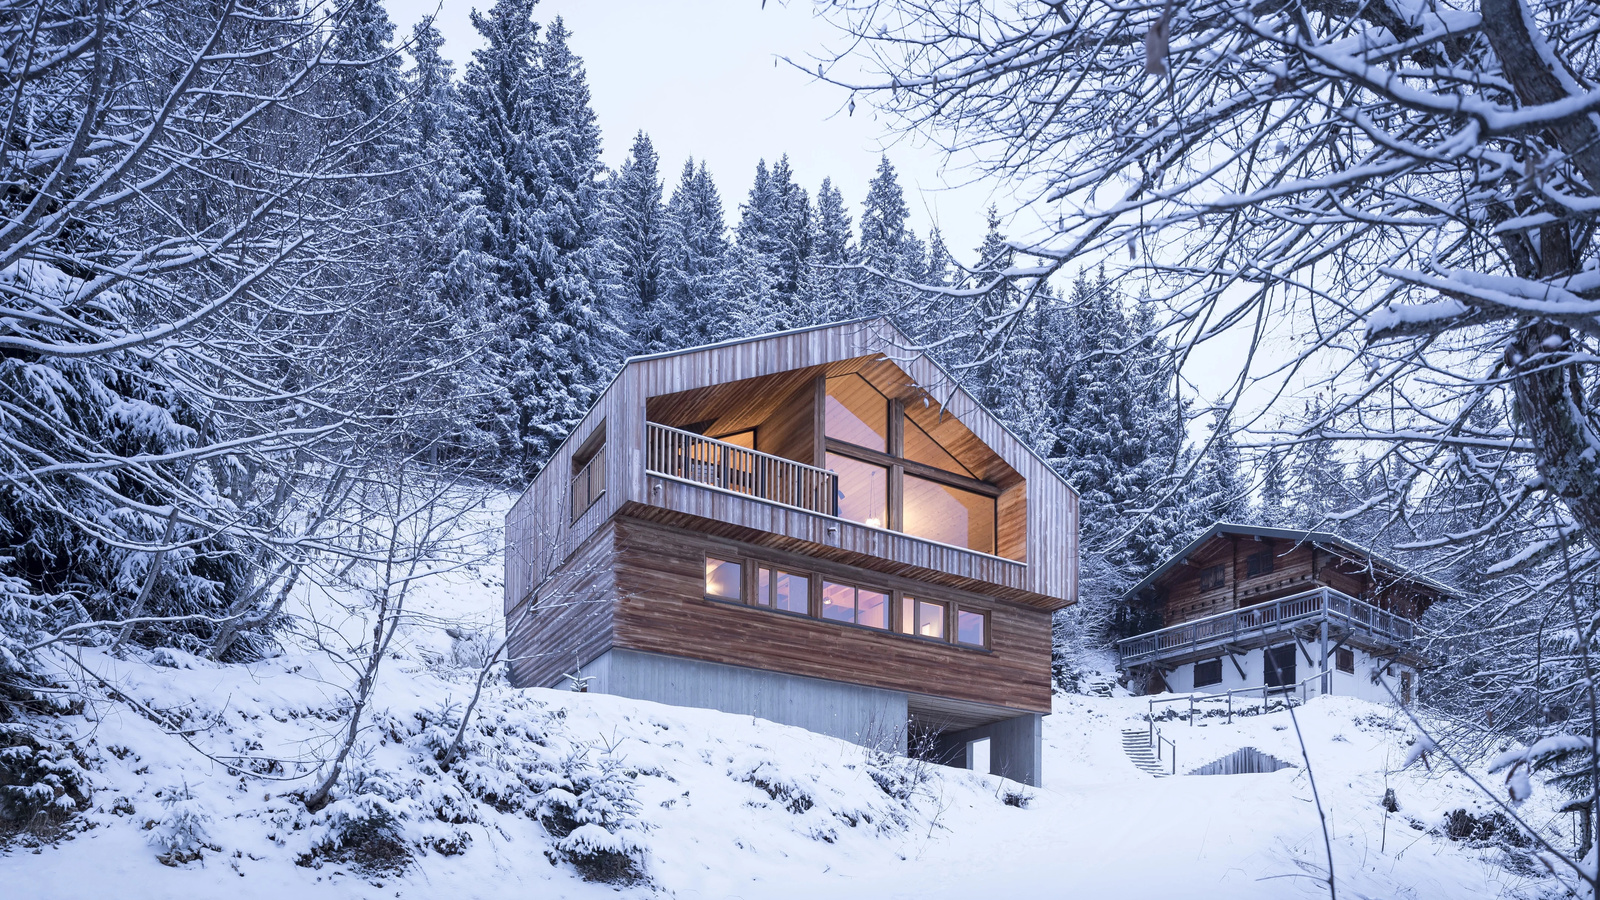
[(683, 454), (1265, 619)]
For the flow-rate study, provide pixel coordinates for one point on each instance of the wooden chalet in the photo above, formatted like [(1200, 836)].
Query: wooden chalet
[(1250, 608), (817, 527)]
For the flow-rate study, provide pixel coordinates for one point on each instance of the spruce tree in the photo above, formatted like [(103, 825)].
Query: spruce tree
[(635, 225), (693, 258), (828, 287), (889, 249), (531, 149)]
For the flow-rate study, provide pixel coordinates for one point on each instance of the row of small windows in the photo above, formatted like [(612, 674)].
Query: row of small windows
[(1256, 565), (839, 601), (1209, 672)]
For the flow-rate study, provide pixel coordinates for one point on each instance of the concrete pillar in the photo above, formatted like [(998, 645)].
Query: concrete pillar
[(1016, 748)]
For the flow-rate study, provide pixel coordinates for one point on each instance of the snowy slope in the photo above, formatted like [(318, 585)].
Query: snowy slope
[(727, 806)]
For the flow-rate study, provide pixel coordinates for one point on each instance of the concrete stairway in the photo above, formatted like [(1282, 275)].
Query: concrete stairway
[(1136, 743)]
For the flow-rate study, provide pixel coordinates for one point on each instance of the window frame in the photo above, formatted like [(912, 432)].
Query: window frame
[(1340, 655), (1208, 662), (1220, 570), (588, 465), (751, 567), (1259, 563)]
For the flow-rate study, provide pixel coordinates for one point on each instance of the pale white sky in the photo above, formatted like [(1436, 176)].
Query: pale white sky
[(699, 77)]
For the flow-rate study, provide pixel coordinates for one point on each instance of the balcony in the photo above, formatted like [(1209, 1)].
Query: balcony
[(684, 455), (1259, 625)]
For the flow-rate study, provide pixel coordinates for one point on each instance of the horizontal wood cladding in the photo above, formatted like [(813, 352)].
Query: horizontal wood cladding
[(569, 620), (1296, 566), (660, 574), (736, 517)]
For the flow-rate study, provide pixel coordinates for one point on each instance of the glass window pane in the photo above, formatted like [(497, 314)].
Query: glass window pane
[(947, 514), (791, 593), (922, 448), (724, 579), (763, 586), (863, 490), (930, 619), (872, 608), (745, 439), (972, 627), (838, 602), (856, 413), (908, 615)]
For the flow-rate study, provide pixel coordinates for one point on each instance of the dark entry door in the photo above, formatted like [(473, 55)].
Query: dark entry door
[(1279, 665)]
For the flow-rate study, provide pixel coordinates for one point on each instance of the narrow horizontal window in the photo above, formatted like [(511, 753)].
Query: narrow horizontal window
[(724, 579), (858, 606), (783, 590), (972, 627)]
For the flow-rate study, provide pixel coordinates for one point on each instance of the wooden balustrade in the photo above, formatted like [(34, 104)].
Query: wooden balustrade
[(676, 453), (1264, 618)]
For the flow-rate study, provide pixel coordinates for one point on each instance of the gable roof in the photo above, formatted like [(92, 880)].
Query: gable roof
[(1326, 539), (864, 336)]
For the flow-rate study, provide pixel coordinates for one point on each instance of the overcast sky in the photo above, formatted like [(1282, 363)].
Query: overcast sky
[(699, 77)]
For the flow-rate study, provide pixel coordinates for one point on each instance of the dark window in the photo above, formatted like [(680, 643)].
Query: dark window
[(1344, 659), (1278, 664), (1212, 577), (1259, 564), (1208, 673)]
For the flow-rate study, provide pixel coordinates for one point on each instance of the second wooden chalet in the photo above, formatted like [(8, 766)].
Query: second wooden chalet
[(1247, 608), (817, 527)]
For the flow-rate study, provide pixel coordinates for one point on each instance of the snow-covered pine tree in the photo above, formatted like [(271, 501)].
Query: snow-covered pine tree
[(828, 289), (532, 150), (694, 253), (889, 248), (1218, 491), (635, 226), (773, 249)]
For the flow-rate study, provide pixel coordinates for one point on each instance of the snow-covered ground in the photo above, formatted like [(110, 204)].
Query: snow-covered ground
[(727, 806)]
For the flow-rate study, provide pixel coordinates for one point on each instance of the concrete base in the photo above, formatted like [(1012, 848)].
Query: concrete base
[(867, 716), (1016, 748)]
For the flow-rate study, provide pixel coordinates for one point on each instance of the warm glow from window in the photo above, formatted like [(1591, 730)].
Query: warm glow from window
[(724, 579), (856, 413), (924, 618), (949, 515), (745, 439)]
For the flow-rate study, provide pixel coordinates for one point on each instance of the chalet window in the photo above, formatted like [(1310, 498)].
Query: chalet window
[(859, 606), (588, 478), (724, 579), (856, 413), (923, 618), (1212, 577), (1207, 673), (863, 490), (1257, 564), (1344, 659), (972, 627), (949, 515), (787, 591), (1278, 665)]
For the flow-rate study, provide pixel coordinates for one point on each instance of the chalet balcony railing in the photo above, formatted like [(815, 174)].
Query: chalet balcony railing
[(676, 453), (1264, 619)]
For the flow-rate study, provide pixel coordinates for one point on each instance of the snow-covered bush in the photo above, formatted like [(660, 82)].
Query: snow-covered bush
[(183, 829), (590, 808), (41, 784)]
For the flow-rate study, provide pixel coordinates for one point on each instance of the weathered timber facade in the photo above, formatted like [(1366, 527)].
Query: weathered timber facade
[(1250, 609), (817, 523)]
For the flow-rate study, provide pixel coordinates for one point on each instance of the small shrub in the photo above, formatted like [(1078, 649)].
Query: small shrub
[(590, 809), (369, 841), (1492, 828), (181, 832), (41, 784), (1015, 796)]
